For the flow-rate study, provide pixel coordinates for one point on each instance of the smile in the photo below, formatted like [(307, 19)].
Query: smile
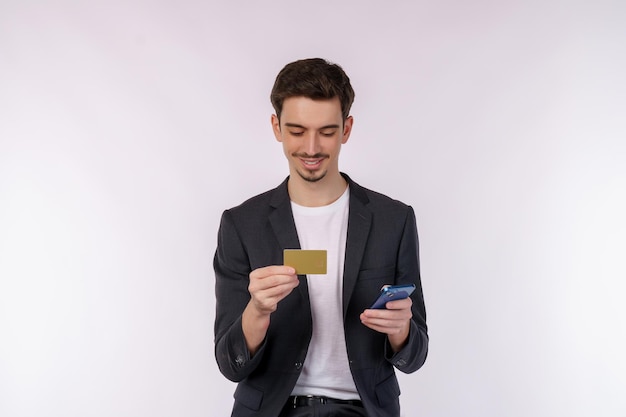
[(312, 163)]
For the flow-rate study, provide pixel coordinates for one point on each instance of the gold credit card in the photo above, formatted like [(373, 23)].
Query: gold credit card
[(305, 261)]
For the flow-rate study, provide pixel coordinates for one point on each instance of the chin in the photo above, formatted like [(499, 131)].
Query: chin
[(312, 176)]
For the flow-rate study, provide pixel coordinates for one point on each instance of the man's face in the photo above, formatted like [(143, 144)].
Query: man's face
[(312, 132)]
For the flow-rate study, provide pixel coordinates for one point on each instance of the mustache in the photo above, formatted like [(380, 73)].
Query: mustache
[(306, 155)]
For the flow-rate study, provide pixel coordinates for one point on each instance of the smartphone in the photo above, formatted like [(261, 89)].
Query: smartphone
[(391, 293)]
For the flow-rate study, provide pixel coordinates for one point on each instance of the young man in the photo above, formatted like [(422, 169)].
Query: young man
[(304, 345)]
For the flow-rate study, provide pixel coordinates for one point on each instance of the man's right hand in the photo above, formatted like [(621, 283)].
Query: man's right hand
[(267, 287)]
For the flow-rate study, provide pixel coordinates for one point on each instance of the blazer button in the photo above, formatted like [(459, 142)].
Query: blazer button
[(240, 360), (298, 365)]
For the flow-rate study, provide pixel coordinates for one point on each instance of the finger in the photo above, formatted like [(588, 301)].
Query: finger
[(383, 327), (278, 288), (387, 315), (386, 320), (270, 270), (405, 303), (261, 284), (268, 299), (272, 285)]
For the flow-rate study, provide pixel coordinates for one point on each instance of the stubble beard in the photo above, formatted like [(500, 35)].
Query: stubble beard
[(312, 177)]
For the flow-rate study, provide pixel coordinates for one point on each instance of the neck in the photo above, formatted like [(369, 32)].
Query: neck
[(316, 194)]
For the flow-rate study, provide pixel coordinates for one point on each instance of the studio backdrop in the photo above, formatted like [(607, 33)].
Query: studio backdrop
[(127, 127)]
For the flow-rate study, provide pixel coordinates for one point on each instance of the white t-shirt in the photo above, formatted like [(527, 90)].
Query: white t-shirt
[(326, 370)]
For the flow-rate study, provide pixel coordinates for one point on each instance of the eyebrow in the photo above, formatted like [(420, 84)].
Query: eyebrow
[(321, 128)]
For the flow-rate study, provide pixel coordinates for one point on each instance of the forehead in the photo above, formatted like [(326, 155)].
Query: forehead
[(311, 113)]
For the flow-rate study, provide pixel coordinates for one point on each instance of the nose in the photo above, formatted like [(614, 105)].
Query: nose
[(312, 144)]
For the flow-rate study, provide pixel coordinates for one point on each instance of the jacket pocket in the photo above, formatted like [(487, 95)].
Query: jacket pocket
[(388, 391), (248, 396)]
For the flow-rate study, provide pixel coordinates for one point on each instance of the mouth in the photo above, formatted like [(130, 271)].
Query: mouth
[(311, 163)]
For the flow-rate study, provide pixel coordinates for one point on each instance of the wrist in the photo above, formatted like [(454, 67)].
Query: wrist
[(399, 340)]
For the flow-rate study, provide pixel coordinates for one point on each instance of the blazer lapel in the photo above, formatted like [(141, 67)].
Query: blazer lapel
[(359, 222), (281, 220)]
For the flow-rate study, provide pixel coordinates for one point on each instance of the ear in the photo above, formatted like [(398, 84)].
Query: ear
[(276, 128), (347, 129)]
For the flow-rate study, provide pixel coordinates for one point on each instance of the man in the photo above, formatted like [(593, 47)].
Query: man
[(304, 345)]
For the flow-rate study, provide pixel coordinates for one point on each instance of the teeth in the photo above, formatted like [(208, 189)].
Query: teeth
[(310, 162)]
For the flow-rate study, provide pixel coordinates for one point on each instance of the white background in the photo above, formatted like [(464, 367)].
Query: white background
[(126, 127)]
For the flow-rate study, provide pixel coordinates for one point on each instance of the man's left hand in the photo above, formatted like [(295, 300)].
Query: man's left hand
[(394, 321)]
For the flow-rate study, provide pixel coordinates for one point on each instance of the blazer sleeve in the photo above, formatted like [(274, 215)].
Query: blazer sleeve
[(413, 355), (232, 269)]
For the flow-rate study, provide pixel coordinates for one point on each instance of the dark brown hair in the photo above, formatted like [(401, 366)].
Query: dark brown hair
[(314, 78)]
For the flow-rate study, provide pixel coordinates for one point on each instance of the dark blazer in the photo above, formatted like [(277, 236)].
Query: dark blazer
[(381, 248)]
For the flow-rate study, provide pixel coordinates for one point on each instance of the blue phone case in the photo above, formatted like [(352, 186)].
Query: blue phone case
[(393, 292)]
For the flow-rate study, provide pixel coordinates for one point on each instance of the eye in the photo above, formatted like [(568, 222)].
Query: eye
[(328, 133), (296, 133)]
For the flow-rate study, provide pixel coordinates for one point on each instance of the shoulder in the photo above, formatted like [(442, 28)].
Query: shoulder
[(259, 204), (375, 200), (253, 203)]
